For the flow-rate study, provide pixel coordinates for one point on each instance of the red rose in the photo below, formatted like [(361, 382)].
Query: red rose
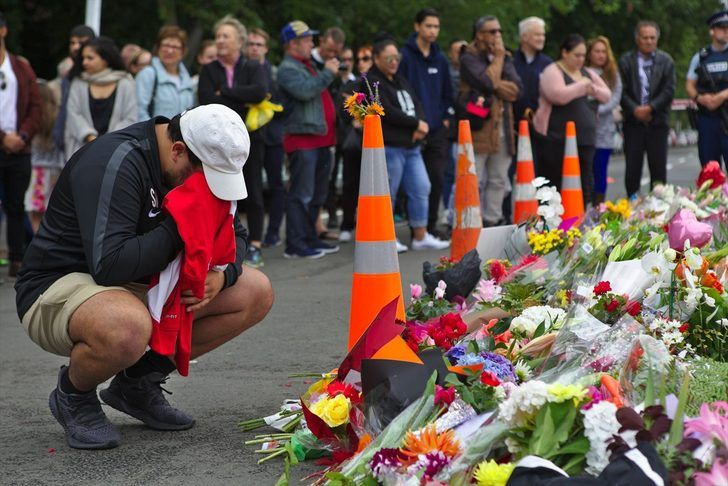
[(488, 378), (444, 396), (684, 328), (634, 308), (612, 305), (338, 388), (602, 288), (711, 171)]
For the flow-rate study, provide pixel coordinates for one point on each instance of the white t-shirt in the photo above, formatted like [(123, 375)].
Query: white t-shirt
[(8, 97)]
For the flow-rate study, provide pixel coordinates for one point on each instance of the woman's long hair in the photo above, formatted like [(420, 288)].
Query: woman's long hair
[(105, 48), (49, 112), (609, 71)]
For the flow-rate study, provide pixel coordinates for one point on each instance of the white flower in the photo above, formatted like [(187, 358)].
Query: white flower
[(657, 266), (513, 446), (532, 317), (539, 181), (692, 257), (546, 193), (709, 301), (546, 211), (692, 297), (523, 325), (600, 423), (523, 371), (723, 322), (440, 290), (670, 254), (524, 402)]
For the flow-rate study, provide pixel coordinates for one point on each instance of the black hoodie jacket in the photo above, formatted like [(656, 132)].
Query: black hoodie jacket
[(402, 109), (104, 218)]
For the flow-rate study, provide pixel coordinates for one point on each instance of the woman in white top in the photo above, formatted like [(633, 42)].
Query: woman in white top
[(101, 98)]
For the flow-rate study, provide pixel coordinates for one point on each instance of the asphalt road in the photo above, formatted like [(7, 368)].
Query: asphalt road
[(306, 331)]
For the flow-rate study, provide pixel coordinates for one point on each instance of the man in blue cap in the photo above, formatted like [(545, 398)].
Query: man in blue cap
[(309, 135), (707, 85)]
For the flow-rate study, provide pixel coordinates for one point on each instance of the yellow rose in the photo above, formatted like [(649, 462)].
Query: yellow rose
[(334, 411)]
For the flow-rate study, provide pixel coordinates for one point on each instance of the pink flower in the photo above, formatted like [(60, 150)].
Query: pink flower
[(488, 291), (718, 475), (360, 97), (444, 396), (712, 424), (440, 290), (415, 291)]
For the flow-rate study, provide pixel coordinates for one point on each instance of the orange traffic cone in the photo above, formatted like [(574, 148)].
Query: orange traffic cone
[(376, 280), (467, 221), (571, 195), (524, 194)]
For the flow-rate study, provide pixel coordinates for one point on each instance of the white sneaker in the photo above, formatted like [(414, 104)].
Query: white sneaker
[(429, 242), (345, 236), (400, 247)]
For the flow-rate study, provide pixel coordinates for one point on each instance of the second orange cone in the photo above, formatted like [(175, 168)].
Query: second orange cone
[(467, 222), (571, 194), (524, 194)]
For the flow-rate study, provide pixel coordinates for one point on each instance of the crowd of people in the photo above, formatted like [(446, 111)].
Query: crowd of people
[(424, 90)]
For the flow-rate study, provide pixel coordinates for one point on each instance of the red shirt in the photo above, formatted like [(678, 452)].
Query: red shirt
[(307, 141)]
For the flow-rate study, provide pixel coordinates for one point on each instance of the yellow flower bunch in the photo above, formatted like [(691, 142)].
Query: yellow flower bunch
[(572, 235), (332, 410), (490, 473), (622, 208), (545, 242), (561, 393)]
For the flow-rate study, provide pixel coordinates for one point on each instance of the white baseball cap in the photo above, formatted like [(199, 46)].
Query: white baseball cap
[(218, 137)]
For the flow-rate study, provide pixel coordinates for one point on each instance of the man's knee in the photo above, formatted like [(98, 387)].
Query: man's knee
[(258, 287)]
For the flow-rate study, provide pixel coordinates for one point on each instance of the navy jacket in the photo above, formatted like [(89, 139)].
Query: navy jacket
[(430, 79), (530, 75)]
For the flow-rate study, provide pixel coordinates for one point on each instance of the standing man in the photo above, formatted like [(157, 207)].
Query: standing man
[(308, 138), (82, 289), (529, 61), (20, 117), (256, 50), (648, 75), (428, 71), (79, 35), (707, 85)]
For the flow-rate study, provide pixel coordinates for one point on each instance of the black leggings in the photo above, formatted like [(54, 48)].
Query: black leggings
[(14, 179), (253, 204)]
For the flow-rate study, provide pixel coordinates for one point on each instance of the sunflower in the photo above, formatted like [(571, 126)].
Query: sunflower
[(375, 109), (351, 105), (428, 440)]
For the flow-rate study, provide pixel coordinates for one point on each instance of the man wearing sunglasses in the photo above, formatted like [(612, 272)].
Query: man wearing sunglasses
[(426, 68), (20, 117)]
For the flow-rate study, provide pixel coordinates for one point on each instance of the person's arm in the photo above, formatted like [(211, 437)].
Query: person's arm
[(630, 100), (301, 85), (29, 125), (510, 85), (602, 93), (613, 102), (78, 127), (472, 72), (253, 92), (144, 85), (555, 89), (108, 220), (663, 100), (448, 95)]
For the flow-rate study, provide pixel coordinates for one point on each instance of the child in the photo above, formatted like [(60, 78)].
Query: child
[(46, 160)]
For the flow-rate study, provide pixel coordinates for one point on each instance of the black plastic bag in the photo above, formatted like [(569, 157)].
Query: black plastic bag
[(461, 279)]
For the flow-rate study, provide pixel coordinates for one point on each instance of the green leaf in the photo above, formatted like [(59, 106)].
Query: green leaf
[(539, 330), (501, 327), (579, 446), (676, 429), (542, 441), (563, 416)]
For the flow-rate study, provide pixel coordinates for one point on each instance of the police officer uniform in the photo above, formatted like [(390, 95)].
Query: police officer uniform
[(709, 68)]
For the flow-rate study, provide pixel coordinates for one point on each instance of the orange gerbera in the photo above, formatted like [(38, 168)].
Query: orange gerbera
[(375, 109), (428, 440)]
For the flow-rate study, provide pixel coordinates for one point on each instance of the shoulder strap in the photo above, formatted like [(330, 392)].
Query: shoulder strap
[(150, 107)]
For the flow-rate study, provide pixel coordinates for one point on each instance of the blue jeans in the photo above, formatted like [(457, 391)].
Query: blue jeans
[(601, 164), (712, 141), (405, 166), (309, 184)]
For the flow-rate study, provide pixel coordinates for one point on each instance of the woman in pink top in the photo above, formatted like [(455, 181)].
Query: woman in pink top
[(569, 92)]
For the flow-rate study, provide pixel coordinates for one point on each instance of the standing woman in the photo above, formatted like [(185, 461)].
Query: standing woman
[(404, 128), (238, 83), (165, 87), (599, 57), (569, 92), (101, 98)]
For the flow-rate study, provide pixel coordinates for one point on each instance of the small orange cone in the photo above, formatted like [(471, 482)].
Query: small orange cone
[(571, 195), (524, 193), (467, 221), (376, 280)]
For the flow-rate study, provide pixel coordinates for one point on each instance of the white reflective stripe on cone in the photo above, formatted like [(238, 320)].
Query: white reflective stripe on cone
[(376, 257), (374, 180), (570, 147), (571, 182), (467, 149), (524, 192), (469, 218), (524, 150)]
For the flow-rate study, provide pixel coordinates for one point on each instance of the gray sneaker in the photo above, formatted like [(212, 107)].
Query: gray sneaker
[(81, 416), (142, 398)]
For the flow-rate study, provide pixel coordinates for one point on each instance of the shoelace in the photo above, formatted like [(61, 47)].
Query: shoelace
[(156, 386), (87, 410)]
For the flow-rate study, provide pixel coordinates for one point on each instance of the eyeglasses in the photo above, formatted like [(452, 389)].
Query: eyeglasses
[(256, 44), (171, 47), (492, 31), (390, 59), (364, 59), (3, 84)]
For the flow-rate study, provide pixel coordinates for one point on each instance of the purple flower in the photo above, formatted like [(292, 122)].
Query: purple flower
[(712, 424), (455, 353), (718, 475), (500, 366), (385, 461)]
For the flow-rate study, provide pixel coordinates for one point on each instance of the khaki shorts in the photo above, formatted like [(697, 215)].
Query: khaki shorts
[(47, 320)]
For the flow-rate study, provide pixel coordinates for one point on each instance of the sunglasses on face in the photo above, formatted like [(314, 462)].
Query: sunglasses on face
[(492, 31), (364, 59), (390, 59)]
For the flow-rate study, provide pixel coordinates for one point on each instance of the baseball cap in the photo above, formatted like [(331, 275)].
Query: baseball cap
[(218, 137), (295, 29), (718, 19)]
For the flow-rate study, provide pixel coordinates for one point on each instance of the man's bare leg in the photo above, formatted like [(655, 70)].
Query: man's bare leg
[(232, 311), (110, 331)]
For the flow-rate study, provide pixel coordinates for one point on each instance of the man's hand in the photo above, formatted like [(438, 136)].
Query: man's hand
[(213, 285), (498, 49), (13, 143), (643, 113), (711, 101), (423, 127), (332, 65)]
